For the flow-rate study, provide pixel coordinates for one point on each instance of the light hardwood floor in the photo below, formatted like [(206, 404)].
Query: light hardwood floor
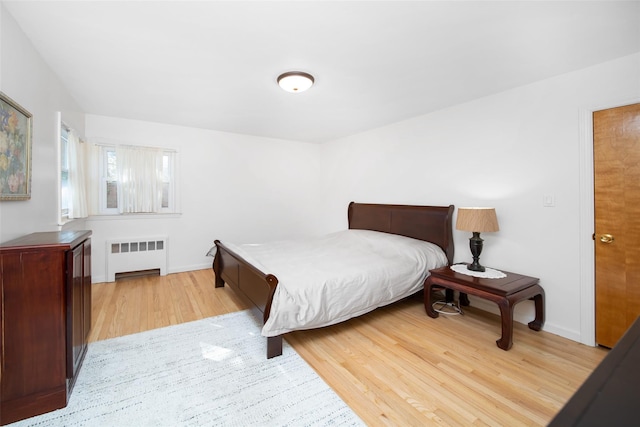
[(394, 366)]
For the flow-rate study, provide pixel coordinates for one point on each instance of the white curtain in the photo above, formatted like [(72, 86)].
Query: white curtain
[(77, 177), (139, 179), (94, 180)]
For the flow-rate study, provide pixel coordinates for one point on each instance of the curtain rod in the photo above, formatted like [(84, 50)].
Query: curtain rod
[(143, 147), (69, 129)]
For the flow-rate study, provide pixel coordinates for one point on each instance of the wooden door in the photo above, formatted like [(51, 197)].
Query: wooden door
[(32, 360), (616, 139), (76, 343), (86, 291)]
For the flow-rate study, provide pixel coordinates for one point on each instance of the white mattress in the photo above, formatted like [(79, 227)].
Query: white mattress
[(330, 279)]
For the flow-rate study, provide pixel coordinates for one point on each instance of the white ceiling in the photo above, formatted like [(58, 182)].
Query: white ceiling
[(214, 64)]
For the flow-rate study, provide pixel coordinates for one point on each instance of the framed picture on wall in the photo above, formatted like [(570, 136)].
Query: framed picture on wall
[(15, 150)]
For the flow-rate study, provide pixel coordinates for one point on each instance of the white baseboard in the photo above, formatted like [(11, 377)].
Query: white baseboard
[(98, 279), (524, 313), (192, 267), (182, 269)]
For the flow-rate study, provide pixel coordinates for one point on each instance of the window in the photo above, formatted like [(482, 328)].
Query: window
[(166, 180), (117, 178), (72, 186), (111, 179), (64, 173)]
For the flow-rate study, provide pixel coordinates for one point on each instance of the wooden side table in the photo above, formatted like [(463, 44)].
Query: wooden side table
[(506, 292)]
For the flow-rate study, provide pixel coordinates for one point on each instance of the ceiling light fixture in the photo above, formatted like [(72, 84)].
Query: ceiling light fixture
[(295, 81)]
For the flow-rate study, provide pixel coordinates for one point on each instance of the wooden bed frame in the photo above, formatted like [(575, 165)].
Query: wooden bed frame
[(429, 223)]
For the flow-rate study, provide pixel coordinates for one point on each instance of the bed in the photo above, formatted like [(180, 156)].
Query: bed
[(307, 284)]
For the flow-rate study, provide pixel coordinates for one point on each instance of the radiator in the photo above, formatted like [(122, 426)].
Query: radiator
[(126, 255)]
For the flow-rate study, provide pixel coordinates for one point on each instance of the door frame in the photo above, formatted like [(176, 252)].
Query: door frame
[(587, 221)]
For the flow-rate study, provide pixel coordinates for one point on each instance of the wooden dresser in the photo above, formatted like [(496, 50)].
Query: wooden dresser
[(45, 307)]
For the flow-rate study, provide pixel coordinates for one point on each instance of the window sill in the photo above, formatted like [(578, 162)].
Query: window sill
[(64, 221)]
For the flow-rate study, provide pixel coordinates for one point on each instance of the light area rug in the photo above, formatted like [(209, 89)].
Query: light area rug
[(210, 372)]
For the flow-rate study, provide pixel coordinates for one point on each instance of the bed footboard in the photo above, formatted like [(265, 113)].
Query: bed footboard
[(248, 282)]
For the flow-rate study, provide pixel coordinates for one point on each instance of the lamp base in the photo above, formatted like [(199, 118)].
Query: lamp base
[(475, 267), (475, 244)]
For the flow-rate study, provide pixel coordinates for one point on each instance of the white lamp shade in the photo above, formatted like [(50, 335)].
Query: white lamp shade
[(295, 81)]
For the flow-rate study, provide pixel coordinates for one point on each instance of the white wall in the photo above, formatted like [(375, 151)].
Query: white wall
[(507, 151), (232, 187), (28, 81)]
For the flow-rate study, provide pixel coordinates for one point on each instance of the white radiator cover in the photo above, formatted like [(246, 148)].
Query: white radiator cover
[(136, 254)]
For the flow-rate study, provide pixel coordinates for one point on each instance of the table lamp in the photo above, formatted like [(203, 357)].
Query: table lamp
[(476, 220)]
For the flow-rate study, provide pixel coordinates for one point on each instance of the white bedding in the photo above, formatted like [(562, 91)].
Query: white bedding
[(330, 279)]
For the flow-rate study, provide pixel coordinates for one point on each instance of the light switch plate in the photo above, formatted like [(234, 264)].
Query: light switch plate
[(548, 200)]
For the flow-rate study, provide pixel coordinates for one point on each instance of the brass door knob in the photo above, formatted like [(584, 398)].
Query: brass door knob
[(606, 238)]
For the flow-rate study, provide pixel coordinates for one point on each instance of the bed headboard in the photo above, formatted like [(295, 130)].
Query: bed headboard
[(430, 223)]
